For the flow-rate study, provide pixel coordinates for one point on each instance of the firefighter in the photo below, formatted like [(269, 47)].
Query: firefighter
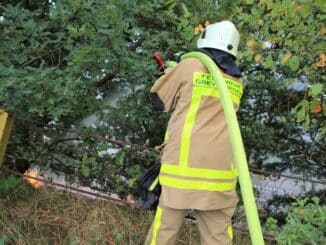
[(197, 172)]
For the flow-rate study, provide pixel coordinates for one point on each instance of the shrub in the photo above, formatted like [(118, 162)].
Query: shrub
[(305, 223)]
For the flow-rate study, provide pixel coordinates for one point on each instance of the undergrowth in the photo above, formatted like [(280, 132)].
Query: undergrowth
[(46, 216)]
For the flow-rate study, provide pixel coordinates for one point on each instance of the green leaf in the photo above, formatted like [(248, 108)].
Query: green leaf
[(285, 58), (256, 12), (188, 33), (249, 1), (316, 89), (85, 170), (302, 109), (185, 10), (314, 103), (269, 63), (120, 156), (294, 63)]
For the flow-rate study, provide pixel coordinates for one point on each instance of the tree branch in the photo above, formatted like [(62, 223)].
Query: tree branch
[(38, 57), (105, 79)]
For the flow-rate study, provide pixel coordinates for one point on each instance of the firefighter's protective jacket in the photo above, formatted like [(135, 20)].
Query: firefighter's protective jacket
[(197, 171)]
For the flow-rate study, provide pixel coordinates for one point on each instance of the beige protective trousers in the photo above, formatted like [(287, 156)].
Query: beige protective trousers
[(214, 226)]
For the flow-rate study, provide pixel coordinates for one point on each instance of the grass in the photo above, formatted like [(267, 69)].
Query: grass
[(30, 216)]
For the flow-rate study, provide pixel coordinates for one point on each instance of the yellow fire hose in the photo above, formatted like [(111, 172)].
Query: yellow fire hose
[(239, 154)]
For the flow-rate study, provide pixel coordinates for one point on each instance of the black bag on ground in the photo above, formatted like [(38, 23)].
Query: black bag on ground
[(148, 187)]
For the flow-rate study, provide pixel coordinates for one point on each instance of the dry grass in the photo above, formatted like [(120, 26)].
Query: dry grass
[(49, 217)]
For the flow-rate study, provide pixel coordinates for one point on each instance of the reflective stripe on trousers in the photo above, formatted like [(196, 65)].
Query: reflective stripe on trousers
[(156, 225)]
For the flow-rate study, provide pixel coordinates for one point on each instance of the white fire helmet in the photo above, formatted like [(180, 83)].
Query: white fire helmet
[(221, 35)]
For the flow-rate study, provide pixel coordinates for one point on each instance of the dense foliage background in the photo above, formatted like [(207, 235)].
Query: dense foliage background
[(62, 61)]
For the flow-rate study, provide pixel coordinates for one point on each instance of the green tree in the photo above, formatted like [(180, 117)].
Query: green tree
[(283, 114)]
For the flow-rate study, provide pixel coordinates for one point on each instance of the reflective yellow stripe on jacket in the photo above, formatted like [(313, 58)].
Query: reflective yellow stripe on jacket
[(184, 177), (198, 172)]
